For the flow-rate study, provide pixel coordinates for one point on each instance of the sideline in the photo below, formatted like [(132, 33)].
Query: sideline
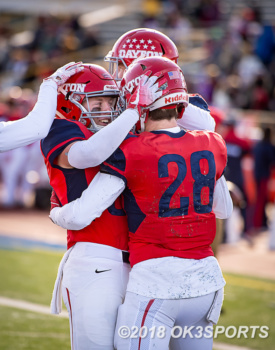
[(24, 305), (14, 243)]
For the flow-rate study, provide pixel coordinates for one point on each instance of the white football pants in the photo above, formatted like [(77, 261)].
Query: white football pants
[(93, 287), (181, 323)]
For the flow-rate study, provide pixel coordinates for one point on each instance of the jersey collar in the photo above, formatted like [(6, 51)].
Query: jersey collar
[(174, 132)]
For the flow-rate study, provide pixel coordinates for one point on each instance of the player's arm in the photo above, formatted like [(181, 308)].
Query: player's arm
[(100, 194), (197, 115), (37, 123), (100, 146), (222, 202)]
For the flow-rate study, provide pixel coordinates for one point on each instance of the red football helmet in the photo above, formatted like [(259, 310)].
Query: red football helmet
[(92, 81), (177, 94), (141, 42)]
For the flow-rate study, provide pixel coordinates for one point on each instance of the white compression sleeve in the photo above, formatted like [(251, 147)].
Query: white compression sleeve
[(222, 202), (100, 194), (195, 118), (99, 147), (35, 125)]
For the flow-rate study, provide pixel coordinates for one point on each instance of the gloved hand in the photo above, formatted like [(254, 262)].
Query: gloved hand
[(54, 200), (147, 91), (64, 73)]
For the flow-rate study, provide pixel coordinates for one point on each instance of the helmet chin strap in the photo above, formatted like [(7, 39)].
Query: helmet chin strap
[(143, 119), (142, 125), (118, 82), (99, 127), (95, 127)]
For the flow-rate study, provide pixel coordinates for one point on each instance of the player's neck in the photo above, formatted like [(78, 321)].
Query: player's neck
[(152, 125)]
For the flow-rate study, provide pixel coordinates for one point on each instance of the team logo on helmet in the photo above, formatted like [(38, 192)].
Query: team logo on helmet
[(131, 85), (138, 48), (138, 53), (74, 87)]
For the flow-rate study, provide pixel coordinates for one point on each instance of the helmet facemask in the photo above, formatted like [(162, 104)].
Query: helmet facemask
[(89, 117), (114, 63)]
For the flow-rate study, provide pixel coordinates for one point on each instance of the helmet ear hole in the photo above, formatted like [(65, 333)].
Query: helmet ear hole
[(66, 110)]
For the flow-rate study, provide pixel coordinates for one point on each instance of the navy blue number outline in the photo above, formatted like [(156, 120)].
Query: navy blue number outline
[(201, 180)]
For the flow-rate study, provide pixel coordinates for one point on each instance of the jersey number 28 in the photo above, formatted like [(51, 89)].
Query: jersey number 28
[(200, 181)]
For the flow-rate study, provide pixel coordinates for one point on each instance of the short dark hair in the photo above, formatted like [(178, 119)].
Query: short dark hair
[(160, 114)]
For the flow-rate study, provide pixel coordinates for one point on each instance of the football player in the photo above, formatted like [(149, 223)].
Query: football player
[(173, 188), (36, 124), (95, 268)]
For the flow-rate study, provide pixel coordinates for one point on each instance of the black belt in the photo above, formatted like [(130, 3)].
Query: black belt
[(125, 257)]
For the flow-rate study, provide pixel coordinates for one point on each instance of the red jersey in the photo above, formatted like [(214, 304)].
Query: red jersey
[(111, 228), (170, 180)]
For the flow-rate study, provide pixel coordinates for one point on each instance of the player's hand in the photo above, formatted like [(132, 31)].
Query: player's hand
[(64, 73), (54, 200), (148, 91)]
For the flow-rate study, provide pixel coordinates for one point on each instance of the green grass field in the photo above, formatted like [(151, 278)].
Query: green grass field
[(30, 276)]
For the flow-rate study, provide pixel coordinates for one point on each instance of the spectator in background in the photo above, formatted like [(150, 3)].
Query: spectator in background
[(250, 67), (151, 11), (265, 44), (220, 97), (208, 12), (259, 96), (178, 27), (264, 153)]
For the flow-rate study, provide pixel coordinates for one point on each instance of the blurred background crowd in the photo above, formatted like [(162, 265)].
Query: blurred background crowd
[(227, 53)]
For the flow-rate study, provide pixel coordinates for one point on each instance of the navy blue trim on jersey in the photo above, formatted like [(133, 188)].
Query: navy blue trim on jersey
[(76, 182), (105, 169), (58, 151), (174, 135), (134, 214), (61, 131), (117, 160), (115, 211), (129, 136), (199, 102)]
